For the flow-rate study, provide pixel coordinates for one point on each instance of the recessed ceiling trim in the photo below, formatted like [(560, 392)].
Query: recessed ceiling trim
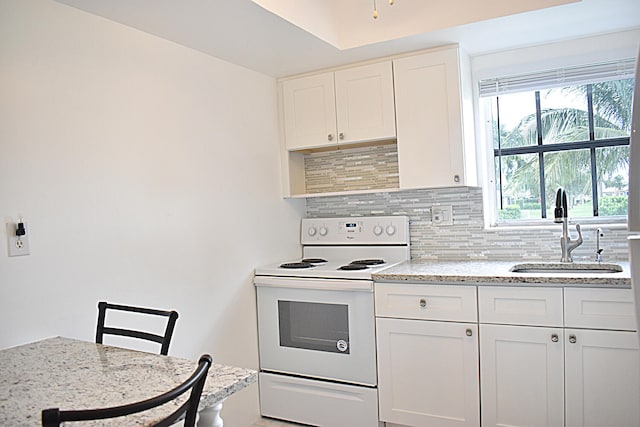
[(350, 24)]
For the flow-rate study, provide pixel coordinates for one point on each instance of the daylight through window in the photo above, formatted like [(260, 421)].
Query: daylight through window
[(568, 128)]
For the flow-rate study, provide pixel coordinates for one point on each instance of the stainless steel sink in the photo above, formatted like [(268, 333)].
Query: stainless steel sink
[(566, 267)]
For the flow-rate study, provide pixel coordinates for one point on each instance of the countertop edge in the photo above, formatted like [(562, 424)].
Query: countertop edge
[(487, 273)]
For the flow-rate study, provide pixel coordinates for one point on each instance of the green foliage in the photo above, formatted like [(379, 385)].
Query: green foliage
[(520, 173), (613, 205), (530, 206), (509, 212)]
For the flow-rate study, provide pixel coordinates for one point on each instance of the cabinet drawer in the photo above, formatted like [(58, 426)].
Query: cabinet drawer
[(520, 306), (428, 302), (599, 309)]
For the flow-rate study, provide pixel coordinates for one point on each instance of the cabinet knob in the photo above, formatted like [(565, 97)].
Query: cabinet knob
[(330, 137), (423, 303), (456, 178), (554, 337), (341, 135), (469, 332), (572, 339)]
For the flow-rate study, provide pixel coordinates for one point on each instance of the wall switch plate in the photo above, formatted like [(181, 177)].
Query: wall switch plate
[(442, 215), (17, 245)]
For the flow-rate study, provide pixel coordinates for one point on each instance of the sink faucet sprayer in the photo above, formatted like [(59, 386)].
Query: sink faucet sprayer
[(562, 216), (599, 250)]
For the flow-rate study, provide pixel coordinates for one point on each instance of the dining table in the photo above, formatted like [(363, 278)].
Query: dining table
[(72, 374)]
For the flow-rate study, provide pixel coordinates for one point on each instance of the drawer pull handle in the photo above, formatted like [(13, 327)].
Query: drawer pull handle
[(572, 339), (554, 337), (469, 332), (423, 303)]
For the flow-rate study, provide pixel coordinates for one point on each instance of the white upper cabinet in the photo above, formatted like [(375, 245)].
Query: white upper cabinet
[(364, 103), (435, 144), (309, 111), (348, 106)]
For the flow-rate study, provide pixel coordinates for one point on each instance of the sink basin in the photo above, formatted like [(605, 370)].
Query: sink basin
[(566, 267)]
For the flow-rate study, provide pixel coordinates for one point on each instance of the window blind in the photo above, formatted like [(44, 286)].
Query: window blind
[(562, 77)]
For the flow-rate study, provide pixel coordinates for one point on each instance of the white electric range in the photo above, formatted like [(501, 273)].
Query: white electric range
[(316, 321)]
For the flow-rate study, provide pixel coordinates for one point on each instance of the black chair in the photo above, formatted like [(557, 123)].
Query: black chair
[(54, 416), (165, 340)]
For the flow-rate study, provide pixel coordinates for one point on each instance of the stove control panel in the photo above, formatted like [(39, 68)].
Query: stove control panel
[(374, 230)]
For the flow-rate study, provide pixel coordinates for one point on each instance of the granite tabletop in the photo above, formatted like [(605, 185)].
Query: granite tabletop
[(498, 272), (72, 374)]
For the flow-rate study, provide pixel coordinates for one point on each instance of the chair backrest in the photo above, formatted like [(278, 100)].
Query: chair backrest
[(164, 340), (54, 416)]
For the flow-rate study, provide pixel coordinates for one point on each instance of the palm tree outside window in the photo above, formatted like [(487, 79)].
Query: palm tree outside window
[(574, 136)]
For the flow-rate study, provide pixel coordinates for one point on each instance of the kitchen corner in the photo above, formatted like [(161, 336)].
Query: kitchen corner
[(472, 338)]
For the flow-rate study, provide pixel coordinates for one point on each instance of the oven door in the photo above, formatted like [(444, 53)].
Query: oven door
[(318, 328)]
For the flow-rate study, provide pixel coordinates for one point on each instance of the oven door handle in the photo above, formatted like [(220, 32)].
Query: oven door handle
[(315, 284)]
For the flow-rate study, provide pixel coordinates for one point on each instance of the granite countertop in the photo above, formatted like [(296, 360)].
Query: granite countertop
[(71, 374), (497, 272)]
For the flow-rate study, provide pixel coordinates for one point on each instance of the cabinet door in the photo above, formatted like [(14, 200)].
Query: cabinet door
[(364, 103), (429, 120), (428, 373), (602, 373), (521, 376), (309, 112)]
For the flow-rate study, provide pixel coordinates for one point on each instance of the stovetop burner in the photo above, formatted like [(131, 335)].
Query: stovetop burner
[(314, 260), (368, 261), (296, 265), (354, 267)]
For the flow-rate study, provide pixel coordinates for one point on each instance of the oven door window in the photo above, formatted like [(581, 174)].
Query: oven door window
[(314, 326)]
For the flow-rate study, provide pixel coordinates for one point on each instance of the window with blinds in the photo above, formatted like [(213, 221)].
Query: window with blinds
[(567, 128)]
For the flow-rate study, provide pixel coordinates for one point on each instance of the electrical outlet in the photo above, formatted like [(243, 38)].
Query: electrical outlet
[(17, 245), (442, 215)]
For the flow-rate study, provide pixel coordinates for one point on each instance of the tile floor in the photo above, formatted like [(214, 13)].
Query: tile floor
[(267, 422)]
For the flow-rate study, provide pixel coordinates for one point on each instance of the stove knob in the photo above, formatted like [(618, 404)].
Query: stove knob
[(377, 230), (391, 230), (323, 231), (312, 231)]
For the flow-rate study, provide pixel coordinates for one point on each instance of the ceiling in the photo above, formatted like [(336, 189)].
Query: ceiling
[(329, 33)]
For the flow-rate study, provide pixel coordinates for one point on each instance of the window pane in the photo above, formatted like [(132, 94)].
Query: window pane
[(612, 108), (570, 170), (564, 115), (518, 120), (613, 180), (314, 326), (520, 187)]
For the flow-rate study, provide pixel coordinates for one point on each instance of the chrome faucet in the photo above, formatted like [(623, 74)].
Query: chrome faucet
[(562, 216)]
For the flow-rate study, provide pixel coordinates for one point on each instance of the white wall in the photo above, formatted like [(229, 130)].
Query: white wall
[(148, 174)]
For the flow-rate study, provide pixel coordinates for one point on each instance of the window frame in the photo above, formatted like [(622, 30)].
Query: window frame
[(541, 148), (491, 153)]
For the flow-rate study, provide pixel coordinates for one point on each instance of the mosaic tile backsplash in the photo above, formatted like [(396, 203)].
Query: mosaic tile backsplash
[(352, 169), (467, 239)]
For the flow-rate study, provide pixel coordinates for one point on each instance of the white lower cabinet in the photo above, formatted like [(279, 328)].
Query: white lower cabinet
[(523, 356), (428, 372), (602, 377), (559, 376), (522, 375), (602, 358), (427, 368)]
